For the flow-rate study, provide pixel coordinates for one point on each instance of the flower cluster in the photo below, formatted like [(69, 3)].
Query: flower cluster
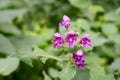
[(71, 39)]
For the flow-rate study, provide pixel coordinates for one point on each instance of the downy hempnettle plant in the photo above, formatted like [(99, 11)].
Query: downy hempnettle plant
[(70, 40), (37, 44)]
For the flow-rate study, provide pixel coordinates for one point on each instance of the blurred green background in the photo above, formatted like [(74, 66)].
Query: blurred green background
[(28, 23)]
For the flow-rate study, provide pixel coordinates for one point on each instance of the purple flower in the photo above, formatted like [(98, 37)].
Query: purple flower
[(65, 23), (71, 38), (79, 59), (58, 40), (86, 41)]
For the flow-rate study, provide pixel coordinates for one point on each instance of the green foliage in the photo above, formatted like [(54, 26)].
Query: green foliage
[(8, 65), (43, 55), (62, 30), (109, 29), (46, 76), (115, 66), (25, 57), (79, 3), (6, 46), (98, 40), (28, 26), (9, 29), (67, 73), (98, 73), (8, 15), (82, 75)]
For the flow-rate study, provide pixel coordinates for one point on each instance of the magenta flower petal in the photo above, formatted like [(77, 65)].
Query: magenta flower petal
[(74, 58), (58, 40), (70, 44), (71, 38), (79, 52), (65, 23), (86, 35), (86, 41), (66, 18), (62, 24), (80, 66), (57, 35), (79, 59)]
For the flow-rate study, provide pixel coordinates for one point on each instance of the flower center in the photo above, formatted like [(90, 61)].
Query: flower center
[(78, 58)]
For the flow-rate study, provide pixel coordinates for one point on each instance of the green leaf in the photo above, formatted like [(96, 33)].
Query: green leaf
[(82, 24), (9, 3), (25, 57), (62, 30), (4, 3), (94, 58), (115, 66), (6, 46), (67, 73), (53, 72), (109, 51), (98, 73), (44, 55), (96, 8), (46, 77), (112, 16), (98, 40), (117, 48), (79, 3), (8, 65), (23, 42), (46, 34), (8, 15), (9, 29), (82, 75), (109, 29), (110, 77), (109, 16)]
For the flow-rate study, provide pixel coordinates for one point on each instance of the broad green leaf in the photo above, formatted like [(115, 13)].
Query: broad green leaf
[(8, 65), (82, 75), (96, 8), (44, 55), (117, 48), (98, 40), (46, 77), (24, 42), (112, 16), (94, 58), (9, 29), (46, 34), (6, 46), (98, 73), (53, 72), (109, 29), (62, 30), (9, 3), (67, 73), (115, 66), (4, 3), (25, 57), (8, 15), (79, 3), (110, 77), (109, 16), (109, 51), (97, 24), (116, 40), (73, 26), (82, 24)]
